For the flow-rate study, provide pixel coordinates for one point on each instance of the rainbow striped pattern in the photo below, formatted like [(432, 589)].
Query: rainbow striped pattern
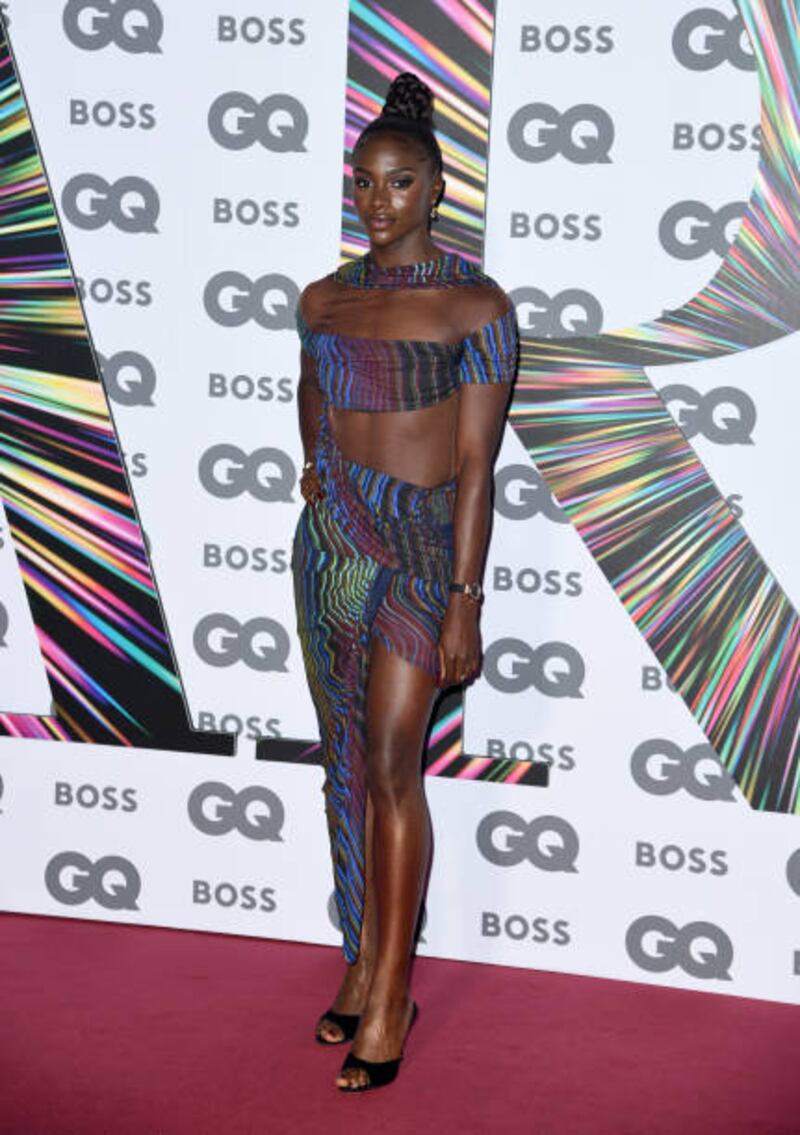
[(70, 513), (641, 499), (366, 374), (448, 43)]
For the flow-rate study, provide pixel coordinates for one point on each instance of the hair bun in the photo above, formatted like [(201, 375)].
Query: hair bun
[(409, 97)]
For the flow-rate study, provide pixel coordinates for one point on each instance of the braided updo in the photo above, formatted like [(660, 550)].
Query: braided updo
[(408, 109)]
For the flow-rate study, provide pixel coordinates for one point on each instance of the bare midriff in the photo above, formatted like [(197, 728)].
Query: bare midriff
[(412, 445)]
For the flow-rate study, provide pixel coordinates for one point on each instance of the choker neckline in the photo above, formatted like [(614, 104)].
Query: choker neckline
[(441, 270)]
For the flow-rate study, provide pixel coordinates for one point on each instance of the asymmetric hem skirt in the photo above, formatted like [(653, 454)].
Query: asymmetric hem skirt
[(372, 560)]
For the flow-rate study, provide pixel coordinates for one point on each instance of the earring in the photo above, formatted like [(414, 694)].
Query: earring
[(435, 213)]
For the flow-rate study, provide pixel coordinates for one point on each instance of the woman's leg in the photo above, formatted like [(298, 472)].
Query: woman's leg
[(400, 697)]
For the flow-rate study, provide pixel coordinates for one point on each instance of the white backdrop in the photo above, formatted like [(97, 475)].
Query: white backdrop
[(641, 860)]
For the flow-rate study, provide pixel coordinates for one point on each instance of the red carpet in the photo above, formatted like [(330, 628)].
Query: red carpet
[(111, 1030)]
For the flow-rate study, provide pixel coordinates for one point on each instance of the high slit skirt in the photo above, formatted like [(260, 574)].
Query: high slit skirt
[(372, 560)]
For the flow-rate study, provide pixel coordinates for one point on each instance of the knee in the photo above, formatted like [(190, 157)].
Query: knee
[(393, 772)]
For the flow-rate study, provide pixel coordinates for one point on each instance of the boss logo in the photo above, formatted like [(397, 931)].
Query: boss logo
[(555, 669), (548, 842), (252, 728), (520, 493), (130, 204), (662, 768), (700, 949), (249, 212), (570, 312), (104, 113), (552, 226), (94, 24), (267, 474), (2, 790), (706, 38), (654, 678), (129, 378), (691, 229), (261, 643), (227, 895), (124, 293), (672, 857), (278, 122), (531, 582), (584, 134), (4, 623), (793, 871), (113, 882), (255, 812), (725, 415), (558, 39), (231, 299), (238, 558), (713, 136), (520, 929), (253, 29), (244, 388), (108, 799), (560, 757)]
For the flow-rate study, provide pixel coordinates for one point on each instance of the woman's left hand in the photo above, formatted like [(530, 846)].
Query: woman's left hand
[(459, 646)]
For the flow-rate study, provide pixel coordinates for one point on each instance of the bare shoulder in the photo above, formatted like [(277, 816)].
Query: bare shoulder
[(481, 304), (314, 297)]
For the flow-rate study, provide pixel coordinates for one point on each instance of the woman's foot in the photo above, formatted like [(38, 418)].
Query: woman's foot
[(350, 1001), (380, 1037)]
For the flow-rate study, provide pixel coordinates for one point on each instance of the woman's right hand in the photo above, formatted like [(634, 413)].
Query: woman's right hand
[(310, 487)]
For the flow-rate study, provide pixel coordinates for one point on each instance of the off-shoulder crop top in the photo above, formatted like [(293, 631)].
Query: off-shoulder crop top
[(359, 373)]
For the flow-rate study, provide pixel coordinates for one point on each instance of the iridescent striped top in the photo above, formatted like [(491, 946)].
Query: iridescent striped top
[(360, 373)]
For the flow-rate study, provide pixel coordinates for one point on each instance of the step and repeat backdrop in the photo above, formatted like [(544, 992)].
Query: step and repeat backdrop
[(600, 160)]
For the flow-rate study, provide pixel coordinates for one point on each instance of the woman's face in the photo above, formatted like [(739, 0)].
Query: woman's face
[(394, 190)]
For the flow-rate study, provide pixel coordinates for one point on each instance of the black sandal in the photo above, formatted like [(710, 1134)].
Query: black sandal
[(347, 1022), (380, 1072)]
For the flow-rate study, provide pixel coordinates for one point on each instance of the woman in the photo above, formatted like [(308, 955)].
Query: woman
[(407, 358)]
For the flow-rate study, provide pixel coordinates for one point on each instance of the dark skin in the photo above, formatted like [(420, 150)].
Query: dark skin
[(395, 188)]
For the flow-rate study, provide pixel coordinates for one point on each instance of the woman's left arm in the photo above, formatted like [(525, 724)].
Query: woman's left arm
[(481, 413)]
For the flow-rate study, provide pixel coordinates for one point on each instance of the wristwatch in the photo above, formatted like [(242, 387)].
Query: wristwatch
[(472, 591)]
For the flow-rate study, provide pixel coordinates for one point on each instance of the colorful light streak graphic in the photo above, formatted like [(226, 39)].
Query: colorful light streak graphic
[(640, 497), (72, 519), (448, 43)]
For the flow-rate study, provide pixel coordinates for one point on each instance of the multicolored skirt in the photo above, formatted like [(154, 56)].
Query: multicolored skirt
[(372, 560)]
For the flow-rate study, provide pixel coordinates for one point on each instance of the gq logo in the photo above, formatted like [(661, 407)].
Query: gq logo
[(113, 882), (256, 812), (3, 626), (267, 474), (521, 493), (94, 24), (555, 669), (548, 842), (793, 871), (584, 134), (700, 949), (705, 38), (279, 122), (130, 204), (691, 229), (261, 643), (662, 768), (699, 413), (129, 378), (569, 313), (231, 299)]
